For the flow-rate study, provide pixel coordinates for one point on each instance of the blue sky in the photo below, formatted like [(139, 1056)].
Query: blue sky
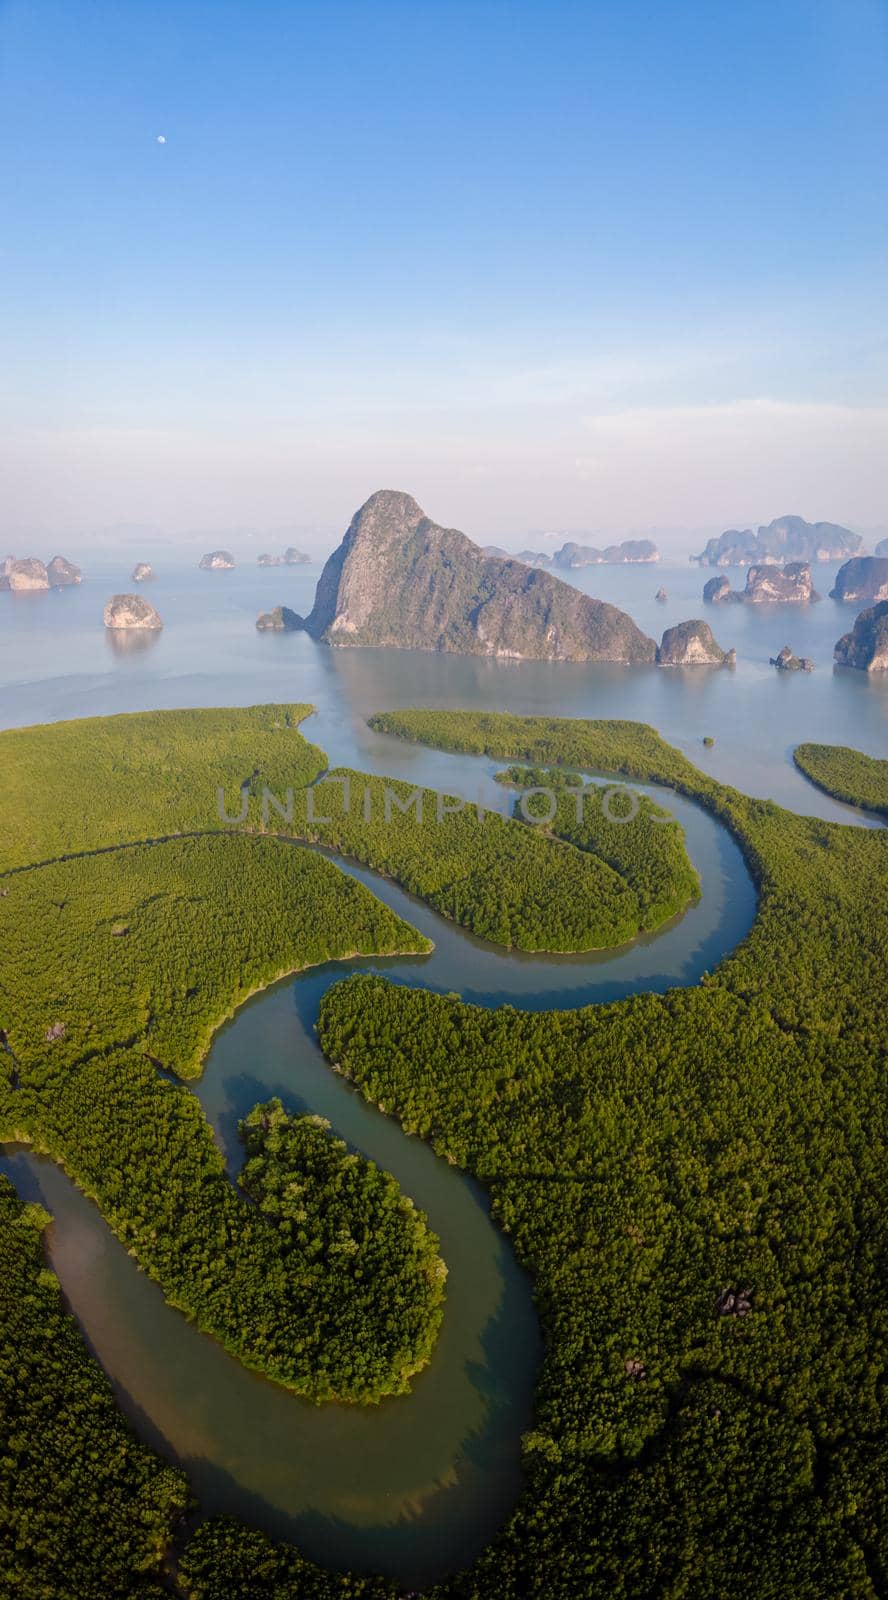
[(595, 267)]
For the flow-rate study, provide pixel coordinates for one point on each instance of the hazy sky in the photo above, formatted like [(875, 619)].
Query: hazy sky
[(604, 266)]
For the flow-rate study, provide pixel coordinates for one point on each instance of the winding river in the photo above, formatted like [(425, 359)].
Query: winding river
[(416, 1486)]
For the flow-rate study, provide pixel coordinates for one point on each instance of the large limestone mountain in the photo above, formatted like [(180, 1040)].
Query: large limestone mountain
[(398, 579)]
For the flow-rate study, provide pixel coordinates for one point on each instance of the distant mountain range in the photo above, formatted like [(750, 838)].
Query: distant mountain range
[(785, 539), (573, 555)]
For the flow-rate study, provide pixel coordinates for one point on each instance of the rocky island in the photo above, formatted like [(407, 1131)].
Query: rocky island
[(216, 561), (630, 551), (572, 555), (280, 620), (787, 662), (864, 578), (29, 573), (290, 558), (866, 646), (691, 644), (790, 585), (766, 584), (24, 575), (718, 591), (130, 611), (142, 571), (400, 580), (63, 573), (785, 539)]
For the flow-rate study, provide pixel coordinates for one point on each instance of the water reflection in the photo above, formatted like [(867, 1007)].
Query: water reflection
[(132, 641)]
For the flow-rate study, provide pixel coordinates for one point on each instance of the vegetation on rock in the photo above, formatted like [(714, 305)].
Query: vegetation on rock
[(398, 579), (692, 644)]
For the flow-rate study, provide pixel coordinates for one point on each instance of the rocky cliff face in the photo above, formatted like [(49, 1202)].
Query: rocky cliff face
[(785, 539), (866, 646), (61, 573), (398, 579), (864, 578), (130, 611), (216, 561), (691, 644)]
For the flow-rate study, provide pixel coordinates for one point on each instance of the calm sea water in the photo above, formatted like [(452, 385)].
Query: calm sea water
[(413, 1487), (56, 660)]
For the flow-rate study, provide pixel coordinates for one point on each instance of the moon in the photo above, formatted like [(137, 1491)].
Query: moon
[(161, 138)]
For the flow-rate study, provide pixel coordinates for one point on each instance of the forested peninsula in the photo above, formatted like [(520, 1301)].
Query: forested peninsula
[(846, 774)]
